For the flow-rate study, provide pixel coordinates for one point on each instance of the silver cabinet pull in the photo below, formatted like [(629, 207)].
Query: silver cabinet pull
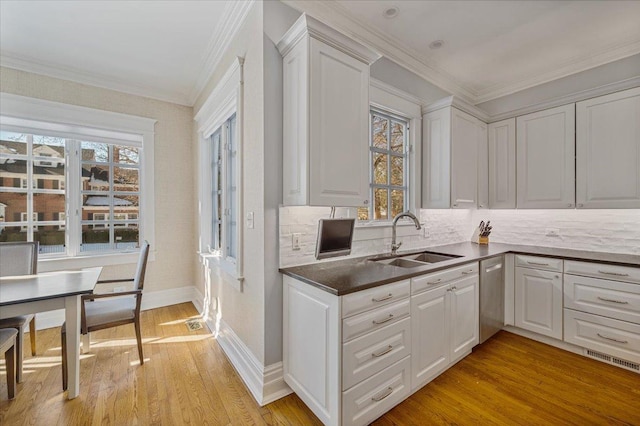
[(387, 319), (386, 393), (537, 263), (434, 282), (467, 272), (387, 297), (612, 339), (622, 302), (384, 352), (616, 274)]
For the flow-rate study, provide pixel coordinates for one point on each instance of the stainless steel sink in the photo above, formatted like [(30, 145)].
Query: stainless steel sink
[(401, 262), (415, 260)]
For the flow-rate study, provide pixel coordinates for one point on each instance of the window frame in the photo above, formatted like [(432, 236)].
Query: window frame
[(42, 117), (395, 102), (224, 101)]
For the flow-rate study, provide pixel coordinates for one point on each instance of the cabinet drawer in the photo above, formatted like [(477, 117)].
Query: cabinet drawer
[(426, 282), (364, 300), (602, 270), (537, 262), (375, 396), (612, 299), (613, 337), (365, 322), (373, 352)]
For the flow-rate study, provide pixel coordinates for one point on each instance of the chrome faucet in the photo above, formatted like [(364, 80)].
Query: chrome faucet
[(395, 246)]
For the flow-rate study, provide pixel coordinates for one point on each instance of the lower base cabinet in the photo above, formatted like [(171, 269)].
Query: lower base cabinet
[(349, 358)]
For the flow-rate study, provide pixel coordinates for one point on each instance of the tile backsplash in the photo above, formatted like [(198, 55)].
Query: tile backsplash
[(616, 231)]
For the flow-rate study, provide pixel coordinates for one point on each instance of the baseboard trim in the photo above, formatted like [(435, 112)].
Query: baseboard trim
[(266, 384), (150, 300)]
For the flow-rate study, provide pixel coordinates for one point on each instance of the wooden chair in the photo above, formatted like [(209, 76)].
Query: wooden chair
[(8, 348), (20, 258), (100, 311)]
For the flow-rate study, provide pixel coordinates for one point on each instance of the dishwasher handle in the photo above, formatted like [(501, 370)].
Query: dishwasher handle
[(493, 268)]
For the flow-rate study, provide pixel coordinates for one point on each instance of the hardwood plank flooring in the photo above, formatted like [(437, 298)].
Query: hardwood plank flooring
[(186, 379)]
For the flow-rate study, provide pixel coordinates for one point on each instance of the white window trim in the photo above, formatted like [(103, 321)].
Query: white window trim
[(72, 121), (222, 103), (387, 98)]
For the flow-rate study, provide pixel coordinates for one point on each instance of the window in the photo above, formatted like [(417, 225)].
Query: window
[(88, 195), (389, 173), (224, 189)]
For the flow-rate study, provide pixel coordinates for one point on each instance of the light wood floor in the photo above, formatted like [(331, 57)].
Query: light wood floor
[(186, 379)]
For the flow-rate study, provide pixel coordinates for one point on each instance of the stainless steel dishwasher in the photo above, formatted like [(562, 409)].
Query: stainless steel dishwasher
[(491, 297)]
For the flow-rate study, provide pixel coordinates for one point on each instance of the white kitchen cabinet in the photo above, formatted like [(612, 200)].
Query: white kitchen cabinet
[(546, 159), (444, 323), (538, 301), (608, 151), (502, 164), (454, 160), (325, 116)]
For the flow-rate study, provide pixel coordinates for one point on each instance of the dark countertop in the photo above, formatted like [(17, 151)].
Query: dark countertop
[(350, 275)]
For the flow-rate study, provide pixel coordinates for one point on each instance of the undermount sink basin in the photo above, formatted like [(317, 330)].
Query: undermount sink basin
[(415, 260)]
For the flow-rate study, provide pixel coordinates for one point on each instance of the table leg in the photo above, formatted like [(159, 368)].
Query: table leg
[(72, 318)]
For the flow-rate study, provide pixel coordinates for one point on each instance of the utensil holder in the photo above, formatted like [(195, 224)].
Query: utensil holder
[(483, 240)]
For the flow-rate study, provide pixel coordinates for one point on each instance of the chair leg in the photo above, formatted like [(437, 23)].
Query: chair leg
[(86, 343), (63, 345), (136, 324), (10, 362), (19, 353), (32, 335)]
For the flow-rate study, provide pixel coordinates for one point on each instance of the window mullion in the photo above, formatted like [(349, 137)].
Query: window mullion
[(73, 237)]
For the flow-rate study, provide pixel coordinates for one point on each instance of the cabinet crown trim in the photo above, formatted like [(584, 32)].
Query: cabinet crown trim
[(306, 25)]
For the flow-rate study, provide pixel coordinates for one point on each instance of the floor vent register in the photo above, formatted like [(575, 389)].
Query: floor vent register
[(613, 360), (193, 324)]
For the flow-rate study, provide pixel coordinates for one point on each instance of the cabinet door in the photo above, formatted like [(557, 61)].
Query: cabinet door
[(608, 151), (539, 301), (339, 128), (463, 317), (546, 163), (502, 164), (430, 331), (436, 165), (465, 149)]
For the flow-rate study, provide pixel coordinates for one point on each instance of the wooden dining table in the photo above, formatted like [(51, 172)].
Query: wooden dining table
[(31, 294)]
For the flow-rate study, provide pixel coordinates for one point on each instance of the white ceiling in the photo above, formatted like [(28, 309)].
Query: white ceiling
[(159, 49), (492, 48), (167, 49)]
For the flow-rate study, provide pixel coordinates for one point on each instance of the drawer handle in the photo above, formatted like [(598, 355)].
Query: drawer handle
[(434, 282), (616, 274), (612, 339), (387, 297), (384, 352), (622, 302), (467, 272), (387, 319), (386, 393), (537, 263)]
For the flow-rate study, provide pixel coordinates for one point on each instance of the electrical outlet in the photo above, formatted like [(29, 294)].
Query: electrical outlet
[(119, 289), (295, 241), (425, 231), (250, 221), (552, 232)]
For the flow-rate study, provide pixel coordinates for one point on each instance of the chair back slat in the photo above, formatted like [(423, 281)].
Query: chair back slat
[(18, 258), (138, 283)]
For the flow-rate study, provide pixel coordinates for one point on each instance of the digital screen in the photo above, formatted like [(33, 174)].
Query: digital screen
[(335, 235)]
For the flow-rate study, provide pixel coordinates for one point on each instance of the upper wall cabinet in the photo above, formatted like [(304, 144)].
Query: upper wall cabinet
[(608, 151), (502, 164), (325, 116), (454, 168), (546, 159)]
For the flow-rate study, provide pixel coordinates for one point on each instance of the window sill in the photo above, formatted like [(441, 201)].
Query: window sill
[(383, 224), (89, 261), (214, 260)]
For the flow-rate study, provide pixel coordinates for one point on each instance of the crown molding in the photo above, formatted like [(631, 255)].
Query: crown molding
[(573, 66), (452, 101), (35, 66), (316, 29), (232, 19), (335, 16)]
